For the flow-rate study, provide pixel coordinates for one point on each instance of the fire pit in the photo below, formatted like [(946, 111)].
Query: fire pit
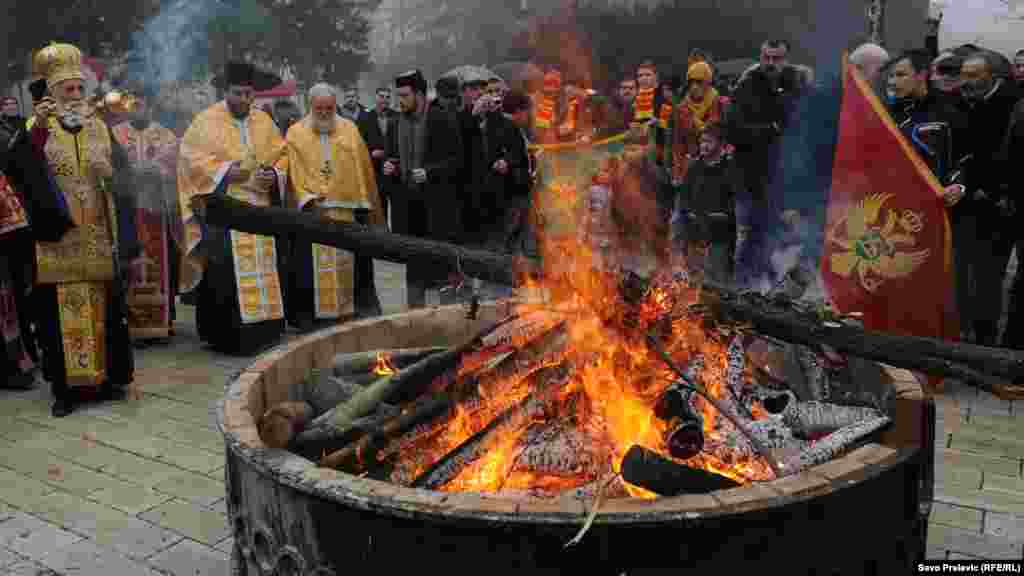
[(864, 512)]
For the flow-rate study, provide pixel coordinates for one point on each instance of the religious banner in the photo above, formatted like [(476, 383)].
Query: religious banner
[(887, 250)]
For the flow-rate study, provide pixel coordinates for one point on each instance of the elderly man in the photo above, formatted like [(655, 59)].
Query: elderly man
[(82, 329), (151, 151), (329, 173), (230, 148), (869, 59)]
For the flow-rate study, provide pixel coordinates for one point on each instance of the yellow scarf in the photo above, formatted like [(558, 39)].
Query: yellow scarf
[(699, 111)]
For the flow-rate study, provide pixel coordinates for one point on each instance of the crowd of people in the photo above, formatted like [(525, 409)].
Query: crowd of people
[(102, 209)]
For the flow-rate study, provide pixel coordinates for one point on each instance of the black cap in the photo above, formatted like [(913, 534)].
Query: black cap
[(448, 87), (414, 79), (245, 74)]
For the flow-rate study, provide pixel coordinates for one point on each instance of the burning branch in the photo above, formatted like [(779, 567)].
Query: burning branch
[(724, 410)]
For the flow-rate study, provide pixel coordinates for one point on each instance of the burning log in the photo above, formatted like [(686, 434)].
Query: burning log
[(722, 408), (811, 419), (984, 367), (227, 212), (685, 436), (815, 376), (558, 449), (334, 428), (425, 414), (364, 363), (491, 382), (834, 444), (545, 385), (648, 469)]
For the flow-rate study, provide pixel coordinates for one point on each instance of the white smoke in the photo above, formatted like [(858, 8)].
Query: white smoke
[(173, 43)]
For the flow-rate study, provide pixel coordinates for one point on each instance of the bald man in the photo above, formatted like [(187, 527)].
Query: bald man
[(869, 60)]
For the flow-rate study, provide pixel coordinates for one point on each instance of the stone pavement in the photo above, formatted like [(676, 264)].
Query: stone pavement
[(136, 488)]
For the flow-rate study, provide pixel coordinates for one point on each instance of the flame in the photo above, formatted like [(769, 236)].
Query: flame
[(621, 379), (383, 366)]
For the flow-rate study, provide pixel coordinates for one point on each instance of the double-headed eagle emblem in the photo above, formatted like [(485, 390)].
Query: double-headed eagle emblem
[(873, 251)]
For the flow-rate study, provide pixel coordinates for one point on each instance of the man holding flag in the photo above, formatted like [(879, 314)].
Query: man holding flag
[(887, 236)]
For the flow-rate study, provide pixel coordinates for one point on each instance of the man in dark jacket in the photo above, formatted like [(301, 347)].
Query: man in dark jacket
[(991, 100), (1013, 337), (935, 124), (421, 171), (375, 127), (704, 219), (762, 104)]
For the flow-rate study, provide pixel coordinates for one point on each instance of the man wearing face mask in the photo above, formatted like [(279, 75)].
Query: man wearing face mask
[(990, 102), (82, 327), (232, 149)]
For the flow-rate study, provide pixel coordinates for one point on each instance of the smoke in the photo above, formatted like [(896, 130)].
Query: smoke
[(173, 45)]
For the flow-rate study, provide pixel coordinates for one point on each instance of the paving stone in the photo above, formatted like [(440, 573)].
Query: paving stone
[(20, 491), (1009, 526), (946, 474), (1010, 425), (193, 521), (189, 558), (987, 443), (8, 557), (975, 544), (128, 497), (85, 557), (28, 568), (220, 506), (195, 488), (137, 539), (6, 511), (983, 462), (982, 499), (959, 556), (32, 537), (226, 545), (986, 403), (957, 516)]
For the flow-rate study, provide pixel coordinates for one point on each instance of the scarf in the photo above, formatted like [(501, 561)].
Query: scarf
[(664, 114), (700, 111), (545, 115), (644, 105)]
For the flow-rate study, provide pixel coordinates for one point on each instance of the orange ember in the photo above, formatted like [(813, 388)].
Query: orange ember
[(383, 366), (610, 402)]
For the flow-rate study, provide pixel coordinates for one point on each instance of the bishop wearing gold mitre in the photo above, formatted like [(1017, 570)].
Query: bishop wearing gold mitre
[(329, 173), (83, 331), (231, 148)]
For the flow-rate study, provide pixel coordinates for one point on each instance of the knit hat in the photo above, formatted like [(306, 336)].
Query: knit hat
[(700, 71)]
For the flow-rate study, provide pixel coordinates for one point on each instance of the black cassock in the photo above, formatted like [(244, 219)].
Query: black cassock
[(218, 317)]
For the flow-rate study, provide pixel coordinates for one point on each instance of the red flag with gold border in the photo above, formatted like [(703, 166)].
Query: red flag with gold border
[(887, 250)]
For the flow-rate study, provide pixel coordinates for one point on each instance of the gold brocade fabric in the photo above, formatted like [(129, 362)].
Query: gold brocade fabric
[(149, 291), (337, 172), (83, 318), (86, 252), (12, 213), (212, 142)]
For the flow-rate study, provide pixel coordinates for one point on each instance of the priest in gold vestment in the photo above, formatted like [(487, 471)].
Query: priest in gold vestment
[(151, 152), (83, 331), (330, 173), (231, 148)]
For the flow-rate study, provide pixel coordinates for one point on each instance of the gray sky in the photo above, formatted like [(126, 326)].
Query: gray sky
[(984, 22)]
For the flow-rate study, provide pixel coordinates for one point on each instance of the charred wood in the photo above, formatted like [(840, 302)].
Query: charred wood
[(981, 366), (811, 419), (279, 424), (361, 363), (649, 470), (227, 212), (545, 385), (834, 444)]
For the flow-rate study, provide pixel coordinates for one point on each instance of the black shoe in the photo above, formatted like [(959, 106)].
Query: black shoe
[(20, 382), (62, 408), (113, 393)]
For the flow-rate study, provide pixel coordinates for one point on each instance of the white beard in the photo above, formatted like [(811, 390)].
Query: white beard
[(324, 126)]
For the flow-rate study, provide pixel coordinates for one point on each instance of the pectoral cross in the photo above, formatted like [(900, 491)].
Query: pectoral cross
[(325, 171)]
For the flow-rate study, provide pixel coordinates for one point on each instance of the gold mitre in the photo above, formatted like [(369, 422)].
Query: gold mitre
[(57, 63)]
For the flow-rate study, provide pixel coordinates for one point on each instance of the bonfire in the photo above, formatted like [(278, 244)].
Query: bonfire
[(610, 382)]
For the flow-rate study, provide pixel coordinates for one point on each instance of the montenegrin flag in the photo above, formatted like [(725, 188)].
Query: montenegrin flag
[(887, 251)]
